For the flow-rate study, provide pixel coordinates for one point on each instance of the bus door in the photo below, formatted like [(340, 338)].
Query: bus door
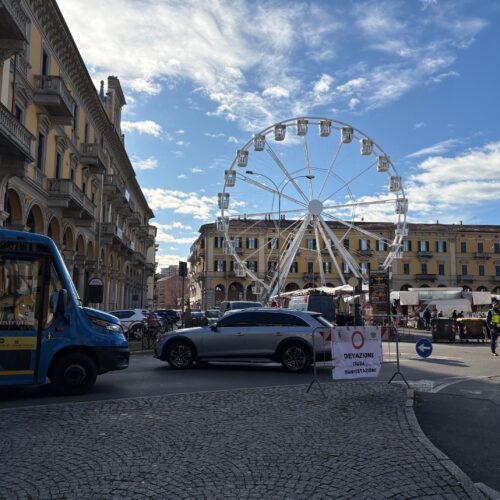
[(22, 300)]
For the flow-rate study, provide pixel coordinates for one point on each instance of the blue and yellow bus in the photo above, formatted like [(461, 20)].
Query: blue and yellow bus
[(45, 332)]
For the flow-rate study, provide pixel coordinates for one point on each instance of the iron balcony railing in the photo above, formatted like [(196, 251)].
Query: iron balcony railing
[(92, 155), (52, 93), (66, 190), (15, 139)]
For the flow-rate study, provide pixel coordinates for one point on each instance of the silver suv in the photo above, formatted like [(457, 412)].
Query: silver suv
[(258, 334)]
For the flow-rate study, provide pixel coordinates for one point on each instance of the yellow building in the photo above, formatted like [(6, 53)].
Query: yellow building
[(434, 255), (438, 255), (64, 170)]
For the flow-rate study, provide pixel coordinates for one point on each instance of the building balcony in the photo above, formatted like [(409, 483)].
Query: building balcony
[(495, 279), (324, 251), (310, 276), (142, 232), (481, 255), (139, 257), (150, 268), (93, 156), (134, 218), (114, 186), (15, 139), (64, 193), (425, 277), (425, 254), (53, 95), (12, 27), (367, 252), (110, 233), (465, 279)]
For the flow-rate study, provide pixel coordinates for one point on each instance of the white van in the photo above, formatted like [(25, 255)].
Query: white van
[(446, 306), (323, 304)]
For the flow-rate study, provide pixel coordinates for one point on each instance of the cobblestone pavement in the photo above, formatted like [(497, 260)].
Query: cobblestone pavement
[(360, 442)]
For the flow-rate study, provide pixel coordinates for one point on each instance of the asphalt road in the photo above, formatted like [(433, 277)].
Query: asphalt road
[(458, 394)]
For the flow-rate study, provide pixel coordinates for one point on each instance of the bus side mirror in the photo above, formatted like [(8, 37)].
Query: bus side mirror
[(58, 302)]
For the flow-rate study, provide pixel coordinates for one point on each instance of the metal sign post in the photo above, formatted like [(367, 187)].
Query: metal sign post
[(183, 274), (315, 373)]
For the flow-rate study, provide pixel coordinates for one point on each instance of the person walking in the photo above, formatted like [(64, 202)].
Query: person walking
[(427, 319), (187, 318), (493, 322)]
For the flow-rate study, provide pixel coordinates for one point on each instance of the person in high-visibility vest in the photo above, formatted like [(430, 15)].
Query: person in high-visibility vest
[(493, 322)]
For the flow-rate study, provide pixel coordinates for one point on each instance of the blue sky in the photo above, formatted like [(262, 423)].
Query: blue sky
[(201, 77)]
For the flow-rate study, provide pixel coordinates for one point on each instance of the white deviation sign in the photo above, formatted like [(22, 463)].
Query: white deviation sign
[(356, 352)]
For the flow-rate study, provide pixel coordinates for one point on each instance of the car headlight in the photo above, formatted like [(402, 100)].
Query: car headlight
[(111, 327)]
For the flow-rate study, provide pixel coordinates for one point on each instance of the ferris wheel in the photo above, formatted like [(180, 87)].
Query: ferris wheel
[(314, 191)]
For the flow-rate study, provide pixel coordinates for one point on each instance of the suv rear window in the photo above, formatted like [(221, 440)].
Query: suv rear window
[(260, 318)]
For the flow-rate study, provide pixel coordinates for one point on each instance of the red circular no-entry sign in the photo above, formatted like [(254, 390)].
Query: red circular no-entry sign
[(357, 339)]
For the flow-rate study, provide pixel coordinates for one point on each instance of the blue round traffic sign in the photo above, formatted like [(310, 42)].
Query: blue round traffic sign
[(424, 348)]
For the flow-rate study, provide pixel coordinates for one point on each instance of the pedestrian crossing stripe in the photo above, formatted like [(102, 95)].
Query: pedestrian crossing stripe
[(18, 343)]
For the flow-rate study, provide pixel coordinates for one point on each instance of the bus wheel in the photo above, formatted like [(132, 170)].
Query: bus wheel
[(73, 373)]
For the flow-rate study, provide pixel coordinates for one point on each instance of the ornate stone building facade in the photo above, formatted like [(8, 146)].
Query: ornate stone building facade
[(434, 255), (64, 170)]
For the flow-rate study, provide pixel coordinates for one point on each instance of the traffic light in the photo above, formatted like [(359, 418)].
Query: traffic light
[(183, 270)]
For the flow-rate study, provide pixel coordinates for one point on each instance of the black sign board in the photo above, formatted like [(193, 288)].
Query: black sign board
[(183, 269), (379, 293)]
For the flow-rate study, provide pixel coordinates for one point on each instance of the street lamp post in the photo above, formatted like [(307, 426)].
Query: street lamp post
[(280, 192)]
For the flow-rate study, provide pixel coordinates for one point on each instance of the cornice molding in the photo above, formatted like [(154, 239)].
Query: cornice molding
[(54, 27)]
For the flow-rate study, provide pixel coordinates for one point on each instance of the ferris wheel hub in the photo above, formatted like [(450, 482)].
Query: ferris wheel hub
[(315, 207)]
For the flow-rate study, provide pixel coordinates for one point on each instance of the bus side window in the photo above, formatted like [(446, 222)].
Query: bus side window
[(19, 293), (55, 284)]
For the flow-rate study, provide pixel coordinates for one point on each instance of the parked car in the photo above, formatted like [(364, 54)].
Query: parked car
[(262, 334), (212, 315), (232, 305), (134, 321), (198, 318), (171, 315)]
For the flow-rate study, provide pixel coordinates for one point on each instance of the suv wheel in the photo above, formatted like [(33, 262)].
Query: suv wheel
[(180, 355), (295, 358)]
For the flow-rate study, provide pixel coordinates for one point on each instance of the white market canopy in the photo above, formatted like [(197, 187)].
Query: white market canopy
[(325, 290)]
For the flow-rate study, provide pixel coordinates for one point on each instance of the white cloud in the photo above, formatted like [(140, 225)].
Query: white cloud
[(419, 125), (428, 3), (165, 260), (148, 127), (323, 85), (179, 154), (233, 140), (254, 72), (214, 136), (176, 225), (451, 188), (276, 92), (182, 143), (163, 235), (147, 164), (180, 202), (196, 170), (442, 76), (435, 149), (353, 103), (351, 86), (180, 131), (182, 176)]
